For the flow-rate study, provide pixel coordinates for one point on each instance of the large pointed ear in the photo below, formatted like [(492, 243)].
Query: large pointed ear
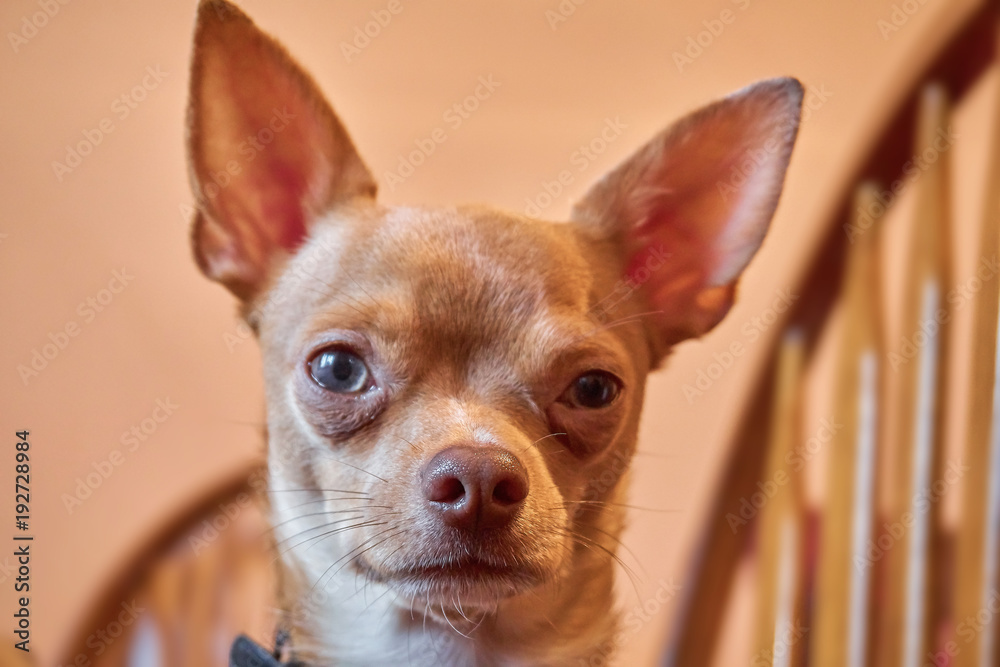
[(267, 153), (691, 207)]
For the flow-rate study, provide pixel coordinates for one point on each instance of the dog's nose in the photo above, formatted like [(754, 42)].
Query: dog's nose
[(475, 487)]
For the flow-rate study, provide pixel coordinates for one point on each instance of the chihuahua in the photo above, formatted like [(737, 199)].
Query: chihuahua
[(448, 388)]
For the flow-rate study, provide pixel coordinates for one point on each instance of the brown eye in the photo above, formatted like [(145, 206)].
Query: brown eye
[(594, 389)]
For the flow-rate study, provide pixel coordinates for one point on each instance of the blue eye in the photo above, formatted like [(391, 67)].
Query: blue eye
[(340, 371)]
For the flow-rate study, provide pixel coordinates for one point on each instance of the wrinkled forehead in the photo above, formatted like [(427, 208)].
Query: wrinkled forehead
[(464, 279)]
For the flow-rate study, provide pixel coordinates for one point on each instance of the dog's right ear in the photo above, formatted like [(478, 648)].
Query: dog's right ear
[(686, 226), (267, 153)]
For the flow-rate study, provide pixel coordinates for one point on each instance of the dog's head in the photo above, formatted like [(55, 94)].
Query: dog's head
[(448, 388)]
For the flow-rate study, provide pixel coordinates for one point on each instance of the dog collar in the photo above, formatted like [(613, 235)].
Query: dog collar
[(248, 653)]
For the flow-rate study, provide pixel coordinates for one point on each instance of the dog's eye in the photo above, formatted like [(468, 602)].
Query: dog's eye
[(594, 389), (340, 370)]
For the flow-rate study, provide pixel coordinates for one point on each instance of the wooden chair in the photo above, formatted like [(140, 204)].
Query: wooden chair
[(877, 574), (205, 579)]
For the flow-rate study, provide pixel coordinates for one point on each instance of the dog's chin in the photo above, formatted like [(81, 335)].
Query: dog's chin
[(474, 584)]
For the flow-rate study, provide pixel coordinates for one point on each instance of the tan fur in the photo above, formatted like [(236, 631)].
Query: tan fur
[(460, 283), (474, 323)]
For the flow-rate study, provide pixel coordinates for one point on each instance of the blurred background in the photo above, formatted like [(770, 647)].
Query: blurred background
[(142, 393)]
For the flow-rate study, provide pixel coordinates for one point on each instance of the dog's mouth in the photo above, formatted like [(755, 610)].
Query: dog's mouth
[(473, 581)]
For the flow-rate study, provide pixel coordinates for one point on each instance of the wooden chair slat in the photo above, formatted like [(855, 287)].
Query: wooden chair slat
[(913, 609), (780, 528), (843, 614), (978, 535)]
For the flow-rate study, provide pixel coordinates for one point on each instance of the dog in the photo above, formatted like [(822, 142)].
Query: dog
[(448, 388)]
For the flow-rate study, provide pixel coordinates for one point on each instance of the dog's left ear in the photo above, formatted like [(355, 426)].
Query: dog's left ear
[(268, 154), (691, 207)]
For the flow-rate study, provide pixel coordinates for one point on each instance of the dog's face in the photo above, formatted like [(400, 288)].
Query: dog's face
[(447, 388), (449, 366)]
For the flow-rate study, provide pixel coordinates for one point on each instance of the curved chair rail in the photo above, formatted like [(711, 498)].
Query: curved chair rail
[(951, 60)]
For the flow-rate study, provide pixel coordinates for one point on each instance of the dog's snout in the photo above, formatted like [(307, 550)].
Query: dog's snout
[(475, 488)]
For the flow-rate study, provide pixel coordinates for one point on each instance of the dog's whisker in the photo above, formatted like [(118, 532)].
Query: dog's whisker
[(624, 546), (316, 489), (427, 608), (335, 460), (343, 294), (354, 510), (416, 448), (654, 455), (601, 503), (458, 606), (373, 521), (351, 554), (371, 604), (361, 512), (544, 437), (286, 510), (461, 611), (270, 529), (544, 615), (372, 546), (628, 319), (262, 426), (358, 515), (482, 619), (375, 302), (317, 537), (437, 648), (385, 559), (594, 544), (339, 296), (450, 624)]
